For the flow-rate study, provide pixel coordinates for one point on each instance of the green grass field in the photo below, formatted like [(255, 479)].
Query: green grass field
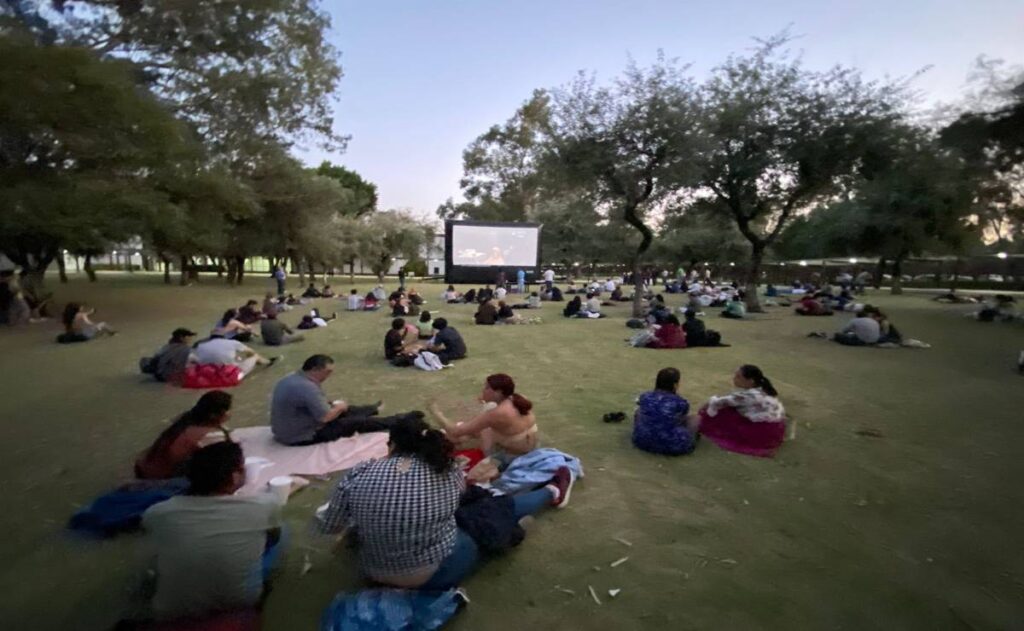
[(921, 528)]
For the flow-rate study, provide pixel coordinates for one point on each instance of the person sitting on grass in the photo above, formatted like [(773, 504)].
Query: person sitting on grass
[(275, 333), (371, 302), (448, 343), (220, 351), (507, 426), (592, 309), (485, 294), (697, 334), (451, 296), (749, 420), (415, 298), (231, 328), (312, 292), (811, 306), (214, 550), (77, 324), (271, 305), (250, 313), (668, 335), (401, 511), (425, 326), (506, 315), (573, 307), (355, 301), (661, 423), (395, 342), (887, 333), (168, 456), (862, 330), (300, 414), (327, 292), (734, 308), (170, 362), (486, 313)]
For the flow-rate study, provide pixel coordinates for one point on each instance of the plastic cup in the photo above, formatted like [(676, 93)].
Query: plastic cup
[(281, 487)]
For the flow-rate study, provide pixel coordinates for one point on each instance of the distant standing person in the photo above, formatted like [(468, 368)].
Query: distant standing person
[(401, 277), (549, 278), (521, 281), (279, 276)]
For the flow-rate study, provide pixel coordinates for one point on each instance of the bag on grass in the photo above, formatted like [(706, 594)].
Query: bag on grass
[(428, 361), (635, 323), (147, 365)]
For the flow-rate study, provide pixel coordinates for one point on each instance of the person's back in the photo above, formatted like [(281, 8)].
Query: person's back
[(393, 340), (355, 302), (736, 308), (487, 313), (171, 361), (296, 407), (424, 328), (218, 350), (170, 461), (594, 304), (865, 328), (658, 424), (273, 331), (454, 345), (669, 335), (209, 551)]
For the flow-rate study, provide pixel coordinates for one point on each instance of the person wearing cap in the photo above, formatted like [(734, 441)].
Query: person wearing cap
[(169, 363)]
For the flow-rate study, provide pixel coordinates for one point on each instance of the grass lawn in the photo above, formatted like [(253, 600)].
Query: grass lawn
[(921, 528)]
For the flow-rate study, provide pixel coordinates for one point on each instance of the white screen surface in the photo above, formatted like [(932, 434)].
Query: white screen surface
[(494, 246)]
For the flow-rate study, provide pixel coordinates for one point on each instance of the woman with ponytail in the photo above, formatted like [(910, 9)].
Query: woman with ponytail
[(749, 420), (506, 424), (401, 510), (169, 454)]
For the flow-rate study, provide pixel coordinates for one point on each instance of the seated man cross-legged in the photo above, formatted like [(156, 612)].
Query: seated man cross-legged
[(301, 415)]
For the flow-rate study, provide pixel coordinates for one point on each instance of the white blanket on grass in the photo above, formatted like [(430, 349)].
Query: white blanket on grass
[(320, 459)]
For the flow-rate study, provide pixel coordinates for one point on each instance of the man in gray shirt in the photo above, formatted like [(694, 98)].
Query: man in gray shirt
[(301, 415), (275, 333), (860, 331)]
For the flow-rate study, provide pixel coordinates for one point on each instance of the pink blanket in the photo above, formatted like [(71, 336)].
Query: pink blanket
[(321, 459), (734, 432)]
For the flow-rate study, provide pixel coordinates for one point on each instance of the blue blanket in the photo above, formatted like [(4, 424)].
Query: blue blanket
[(121, 510), (537, 467), (391, 610)]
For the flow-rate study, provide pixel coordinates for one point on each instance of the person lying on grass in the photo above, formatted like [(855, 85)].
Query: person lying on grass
[(401, 511), (169, 454), (506, 426)]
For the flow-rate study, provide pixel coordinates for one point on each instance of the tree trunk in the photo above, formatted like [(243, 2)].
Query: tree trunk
[(89, 271), (879, 272), (352, 271), (240, 268), (751, 298), (638, 289), (184, 271), (62, 273), (297, 266), (231, 271), (897, 276), (167, 270)]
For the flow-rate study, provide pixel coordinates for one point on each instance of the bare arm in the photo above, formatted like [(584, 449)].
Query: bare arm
[(475, 425)]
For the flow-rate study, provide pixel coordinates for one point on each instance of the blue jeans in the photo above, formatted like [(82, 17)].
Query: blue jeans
[(464, 557)]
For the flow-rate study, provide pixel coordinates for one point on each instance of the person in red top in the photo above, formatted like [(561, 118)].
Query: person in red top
[(168, 455), (669, 335)]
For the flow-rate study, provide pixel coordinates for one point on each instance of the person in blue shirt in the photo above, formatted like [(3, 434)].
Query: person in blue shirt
[(662, 423), (521, 281)]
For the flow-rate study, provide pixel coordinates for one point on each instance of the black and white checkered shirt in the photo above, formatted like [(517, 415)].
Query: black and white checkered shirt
[(402, 512)]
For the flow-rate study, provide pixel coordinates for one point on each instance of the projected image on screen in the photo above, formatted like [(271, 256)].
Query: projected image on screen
[(487, 245)]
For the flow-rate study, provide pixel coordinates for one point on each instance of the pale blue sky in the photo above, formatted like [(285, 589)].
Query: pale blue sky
[(423, 79)]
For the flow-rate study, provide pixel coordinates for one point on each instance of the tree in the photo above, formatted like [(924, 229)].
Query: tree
[(697, 235), (361, 195), (990, 137), (244, 74), (392, 234), (575, 232), (783, 139), (82, 149), (916, 198), (629, 147)]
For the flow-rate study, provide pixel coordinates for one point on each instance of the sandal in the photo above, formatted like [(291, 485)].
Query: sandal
[(614, 417)]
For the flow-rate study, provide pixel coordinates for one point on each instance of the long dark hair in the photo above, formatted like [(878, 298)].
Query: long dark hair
[(667, 379), (229, 315), (70, 311), (754, 373), (500, 382), (413, 437), (206, 412)]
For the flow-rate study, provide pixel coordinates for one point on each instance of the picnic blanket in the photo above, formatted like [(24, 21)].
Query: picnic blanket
[(391, 610), (319, 459)]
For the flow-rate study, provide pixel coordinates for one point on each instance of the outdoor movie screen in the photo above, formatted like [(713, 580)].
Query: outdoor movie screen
[(483, 246)]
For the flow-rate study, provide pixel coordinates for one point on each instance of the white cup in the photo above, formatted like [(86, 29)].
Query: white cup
[(281, 487)]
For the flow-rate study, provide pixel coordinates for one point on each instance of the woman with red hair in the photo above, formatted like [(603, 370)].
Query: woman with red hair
[(506, 424)]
